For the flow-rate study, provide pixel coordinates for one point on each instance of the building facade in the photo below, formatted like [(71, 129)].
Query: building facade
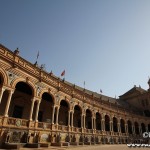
[(38, 107)]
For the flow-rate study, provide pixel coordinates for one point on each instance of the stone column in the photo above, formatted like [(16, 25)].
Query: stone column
[(140, 129), (84, 121), (57, 115), (31, 110), (103, 124), (133, 129), (112, 129), (126, 128), (81, 121), (69, 118), (1, 93), (10, 92), (72, 119), (92, 122), (110, 124), (119, 128), (53, 113), (37, 111)]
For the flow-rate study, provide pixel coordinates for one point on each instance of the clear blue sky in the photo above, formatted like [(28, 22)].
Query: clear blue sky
[(105, 43)]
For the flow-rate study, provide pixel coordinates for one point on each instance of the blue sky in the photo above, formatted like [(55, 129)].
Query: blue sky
[(105, 43)]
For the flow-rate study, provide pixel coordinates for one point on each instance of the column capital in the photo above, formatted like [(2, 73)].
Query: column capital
[(33, 99), (2, 89), (11, 91)]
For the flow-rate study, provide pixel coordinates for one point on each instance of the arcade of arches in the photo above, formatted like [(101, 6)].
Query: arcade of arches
[(44, 113)]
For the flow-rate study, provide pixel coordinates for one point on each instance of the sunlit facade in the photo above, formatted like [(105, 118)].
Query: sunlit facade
[(38, 107)]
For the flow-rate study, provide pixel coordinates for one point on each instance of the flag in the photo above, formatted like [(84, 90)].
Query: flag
[(101, 91), (63, 73), (37, 55)]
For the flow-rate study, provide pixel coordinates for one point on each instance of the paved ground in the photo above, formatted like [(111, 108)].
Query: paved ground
[(92, 147), (95, 147)]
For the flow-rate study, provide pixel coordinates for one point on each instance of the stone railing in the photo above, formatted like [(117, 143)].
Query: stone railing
[(1, 120), (17, 122), (44, 125), (88, 130), (108, 133), (75, 129), (98, 132)]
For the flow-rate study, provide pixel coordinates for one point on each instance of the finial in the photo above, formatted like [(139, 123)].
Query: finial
[(51, 72), (148, 82), (36, 64), (16, 52)]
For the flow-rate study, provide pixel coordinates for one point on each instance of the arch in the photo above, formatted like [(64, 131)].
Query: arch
[(115, 124), (88, 119), (143, 128), (4, 76), (47, 91), (136, 125), (48, 97), (23, 87), (98, 121), (21, 100), (63, 113), (122, 125), (129, 127), (77, 116), (147, 113), (148, 127), (14, 83), (107, 123), (47, 103), (64, 100)]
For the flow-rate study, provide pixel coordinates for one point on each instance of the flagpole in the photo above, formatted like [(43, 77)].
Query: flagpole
[(37, 58), (84, 84)]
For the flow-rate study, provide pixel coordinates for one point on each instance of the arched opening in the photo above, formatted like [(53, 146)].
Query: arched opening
[(98, 121), (63, 113), (1, 81), (122, 125), (3, 99), (46, 108), (77, 117), (136, 128), (147, 113), (143, 127), (115, 124), (107, 123), (129, 127), (21, 101), (148, 127), (88, 119)]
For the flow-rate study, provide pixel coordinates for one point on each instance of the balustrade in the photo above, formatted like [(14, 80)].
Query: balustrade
[(17, 122), (1, 120)]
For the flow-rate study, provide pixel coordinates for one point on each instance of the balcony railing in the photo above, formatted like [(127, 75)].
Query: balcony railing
[(1, 120), (44, 125), (17, 122), (23, 123)]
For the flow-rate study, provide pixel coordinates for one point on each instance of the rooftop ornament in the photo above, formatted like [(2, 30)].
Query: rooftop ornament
[(149, 83), (16, 52)]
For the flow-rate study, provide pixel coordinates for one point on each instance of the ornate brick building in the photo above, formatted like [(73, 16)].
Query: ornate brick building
[(38, 107)]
